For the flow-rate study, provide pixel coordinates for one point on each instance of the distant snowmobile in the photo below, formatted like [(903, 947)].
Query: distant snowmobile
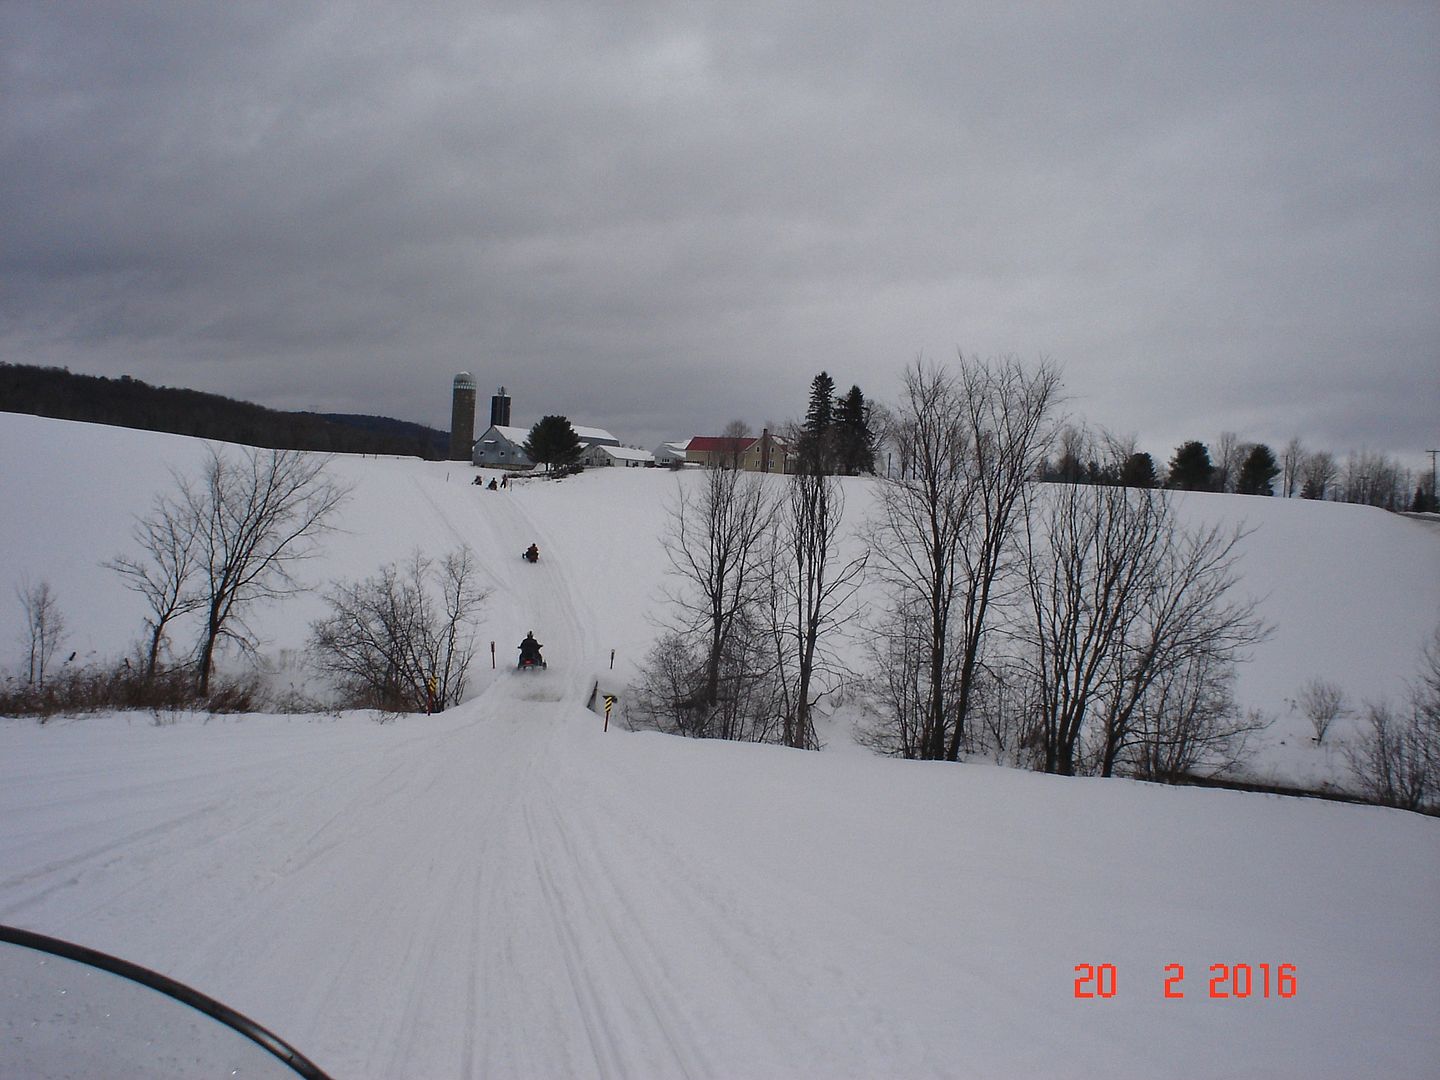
[(531, 554)]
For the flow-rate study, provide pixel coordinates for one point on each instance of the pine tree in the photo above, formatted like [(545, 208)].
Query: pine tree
[(821, 412), (1191, 469), (1258, 472), (815, 450), (854, 442), (1138, 471), (553, 442)]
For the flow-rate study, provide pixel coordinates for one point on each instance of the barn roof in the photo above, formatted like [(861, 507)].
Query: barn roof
[(719, 444), (518, 435)]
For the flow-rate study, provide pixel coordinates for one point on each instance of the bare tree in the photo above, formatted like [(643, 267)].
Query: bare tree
[(390, 645), (1229, 453), (1133, 633), (165, 572), (1194, 629), (716, 552), (1091, 573), (1190, 722), (971, 440), (664, 696), (924, 516), (1397, 758), (900, 659), (810, 595), (1005, 712), (1119, 451), (44, 629), (1317, 472), (882, 426), (1007, 418), (255, 517), (736, 434), (670, 693), (1076, 450), (1375, 480), (1427, 690), (1291, 461), (1322, 703)]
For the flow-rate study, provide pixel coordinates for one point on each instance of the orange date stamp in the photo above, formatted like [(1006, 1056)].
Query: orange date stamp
[(1226, 981)]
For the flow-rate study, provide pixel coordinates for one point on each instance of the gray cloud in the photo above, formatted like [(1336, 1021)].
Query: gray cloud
[(656, 219)]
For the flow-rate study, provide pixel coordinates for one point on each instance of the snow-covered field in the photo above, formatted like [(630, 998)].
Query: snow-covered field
[(506, 890)]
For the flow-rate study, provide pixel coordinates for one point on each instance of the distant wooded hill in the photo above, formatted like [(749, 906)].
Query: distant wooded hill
[(127, 402)]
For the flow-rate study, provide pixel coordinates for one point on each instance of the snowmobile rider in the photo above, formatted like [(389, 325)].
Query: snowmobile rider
[(530, 650), (532, 553)]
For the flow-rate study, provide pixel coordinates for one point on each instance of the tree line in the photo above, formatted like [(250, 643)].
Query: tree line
[(127, 402), (1242, 468)]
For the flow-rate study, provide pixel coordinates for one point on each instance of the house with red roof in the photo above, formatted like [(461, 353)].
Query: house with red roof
[(765, 453)]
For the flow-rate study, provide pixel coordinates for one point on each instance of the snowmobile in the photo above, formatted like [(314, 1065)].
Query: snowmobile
[(72, 1011), (530, 653), (531, 554)]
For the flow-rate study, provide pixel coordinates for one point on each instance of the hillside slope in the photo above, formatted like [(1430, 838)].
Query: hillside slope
[(506, 890), (1352, 592)]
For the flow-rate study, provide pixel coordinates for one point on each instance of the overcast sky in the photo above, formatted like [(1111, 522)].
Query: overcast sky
[(655, 218)]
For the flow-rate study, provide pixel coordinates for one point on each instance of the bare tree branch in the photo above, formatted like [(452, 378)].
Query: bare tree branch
[(254, 519)]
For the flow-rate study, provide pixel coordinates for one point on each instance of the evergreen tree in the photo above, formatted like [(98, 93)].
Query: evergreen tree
[(1191, 469), (1258, 472), (1066, 468), (815, 450), (821, 413), (553, 442), (854, 442), (1138, 471)]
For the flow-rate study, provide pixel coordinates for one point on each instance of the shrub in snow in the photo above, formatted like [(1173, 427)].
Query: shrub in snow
[(1397, 759), (403, 640), (1322, 703)]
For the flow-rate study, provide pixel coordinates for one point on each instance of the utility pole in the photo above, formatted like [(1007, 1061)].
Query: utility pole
[(1434, 495)]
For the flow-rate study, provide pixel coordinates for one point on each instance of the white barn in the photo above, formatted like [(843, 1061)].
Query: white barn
[(625, 457), (501, 447), (671, 453)]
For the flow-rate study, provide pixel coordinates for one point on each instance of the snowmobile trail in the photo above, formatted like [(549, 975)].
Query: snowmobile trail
[(543, 595), (618, 993)]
